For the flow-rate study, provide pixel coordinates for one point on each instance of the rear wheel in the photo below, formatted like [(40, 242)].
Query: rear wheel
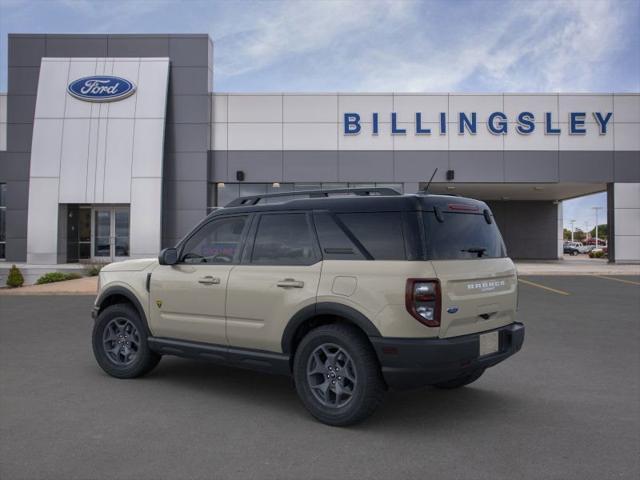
[(460, 381), (337, 375), (120, 343)]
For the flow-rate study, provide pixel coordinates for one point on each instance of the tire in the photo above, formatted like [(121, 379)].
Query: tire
[(120, 327), (340, 354), (574, 253), (460, 381)]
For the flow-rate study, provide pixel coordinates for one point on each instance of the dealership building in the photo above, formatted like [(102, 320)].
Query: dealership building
[(114, 146)]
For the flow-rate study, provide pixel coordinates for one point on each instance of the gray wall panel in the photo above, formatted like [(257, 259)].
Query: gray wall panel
[(185, 166), (17, 194), (310, 166), (586, 166), (16, 222), (138, 46), (185, 195), (188, 80), (365, 166), (23, 80), (258, 166), (412, 166), (26, 50), (22, 108), (626, 166), (530, 166), (15, 167), (189, 51), (188, 109), (76, 46), (19, 137), (16, 249), (529, 229), (218, 166), (187, 137), (477, 166)]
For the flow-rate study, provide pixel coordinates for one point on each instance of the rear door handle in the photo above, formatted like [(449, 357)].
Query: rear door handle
[(209, 280), (290, 283)]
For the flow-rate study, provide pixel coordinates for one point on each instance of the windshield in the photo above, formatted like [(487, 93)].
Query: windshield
[(462, 236)]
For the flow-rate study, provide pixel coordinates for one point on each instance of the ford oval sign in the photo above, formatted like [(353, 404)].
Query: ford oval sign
[(101, 88)]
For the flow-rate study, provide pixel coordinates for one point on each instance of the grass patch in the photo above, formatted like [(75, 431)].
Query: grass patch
[(53, 277)]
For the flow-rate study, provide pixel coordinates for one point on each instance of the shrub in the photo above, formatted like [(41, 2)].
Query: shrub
[(94, 270), (596, 254), (15, 278), (52, 277)]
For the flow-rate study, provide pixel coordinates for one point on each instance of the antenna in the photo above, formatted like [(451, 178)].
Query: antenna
[(426, 189)]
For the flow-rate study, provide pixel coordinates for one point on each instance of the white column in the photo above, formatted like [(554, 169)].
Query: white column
[(626, 221), (560, 236)]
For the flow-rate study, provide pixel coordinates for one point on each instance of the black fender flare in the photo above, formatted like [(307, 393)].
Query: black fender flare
[(326, 308), (122, 291)]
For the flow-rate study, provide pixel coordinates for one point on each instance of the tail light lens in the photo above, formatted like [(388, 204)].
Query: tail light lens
[(422, 298)]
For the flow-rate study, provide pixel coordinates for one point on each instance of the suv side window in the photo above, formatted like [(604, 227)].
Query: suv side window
[(334, 241), (217, 242), (380, 233), (284, 239)]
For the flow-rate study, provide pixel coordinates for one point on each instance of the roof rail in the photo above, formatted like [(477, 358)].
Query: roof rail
[(362, 192)]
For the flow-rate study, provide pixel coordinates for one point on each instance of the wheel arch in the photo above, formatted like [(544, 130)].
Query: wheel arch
[(321, 314), (118, 295)]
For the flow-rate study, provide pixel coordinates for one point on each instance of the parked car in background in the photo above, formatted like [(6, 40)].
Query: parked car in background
[(573, 248)]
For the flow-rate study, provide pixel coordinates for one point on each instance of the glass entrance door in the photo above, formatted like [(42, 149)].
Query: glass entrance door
[(110, 233)]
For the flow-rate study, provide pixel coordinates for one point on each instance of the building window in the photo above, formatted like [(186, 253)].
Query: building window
[(3, 216)]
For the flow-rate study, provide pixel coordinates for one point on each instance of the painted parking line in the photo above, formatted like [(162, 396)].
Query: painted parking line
[(544, 287), (631, 282)]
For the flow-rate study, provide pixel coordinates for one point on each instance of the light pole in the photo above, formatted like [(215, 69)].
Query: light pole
[(572, 222), (596, 209)]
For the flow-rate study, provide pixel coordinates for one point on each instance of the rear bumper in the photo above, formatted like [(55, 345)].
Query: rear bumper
[(416, 362)]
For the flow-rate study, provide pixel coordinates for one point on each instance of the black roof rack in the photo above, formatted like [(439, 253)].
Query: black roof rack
[(363, 192)]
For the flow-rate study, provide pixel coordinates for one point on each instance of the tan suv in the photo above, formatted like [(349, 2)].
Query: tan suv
[(351, 292)]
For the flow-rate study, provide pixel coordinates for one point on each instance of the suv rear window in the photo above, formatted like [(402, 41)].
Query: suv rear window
[(462, 236)]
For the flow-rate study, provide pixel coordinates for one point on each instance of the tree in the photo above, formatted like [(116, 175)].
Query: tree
[(566, 234), (603, 231), (578, 235)]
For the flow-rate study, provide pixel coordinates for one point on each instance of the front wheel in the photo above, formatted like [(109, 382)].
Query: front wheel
[(337, 375), (120, 343)]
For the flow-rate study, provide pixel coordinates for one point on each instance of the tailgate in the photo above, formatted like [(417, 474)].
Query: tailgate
[(477, 295)]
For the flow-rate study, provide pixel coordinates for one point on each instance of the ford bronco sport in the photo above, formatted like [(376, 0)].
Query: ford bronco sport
[(351, 292)]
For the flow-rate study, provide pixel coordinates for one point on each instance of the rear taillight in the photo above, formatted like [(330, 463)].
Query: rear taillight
[(422, 298)]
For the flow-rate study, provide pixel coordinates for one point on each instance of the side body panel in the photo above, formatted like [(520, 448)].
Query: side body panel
[(187, 302), (377, 290), (259, 302)]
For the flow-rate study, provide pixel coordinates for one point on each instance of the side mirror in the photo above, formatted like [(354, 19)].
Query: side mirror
[(168, 256)]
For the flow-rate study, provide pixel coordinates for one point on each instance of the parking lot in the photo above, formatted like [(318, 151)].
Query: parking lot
[(567, 406)]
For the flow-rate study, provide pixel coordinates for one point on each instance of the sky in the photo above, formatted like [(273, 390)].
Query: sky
[(378, 45)]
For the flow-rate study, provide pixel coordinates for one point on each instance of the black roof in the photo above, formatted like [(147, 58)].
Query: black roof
[(373, 203)]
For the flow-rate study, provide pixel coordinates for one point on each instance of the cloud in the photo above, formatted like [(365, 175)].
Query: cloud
[(377, 45), (407, 46)]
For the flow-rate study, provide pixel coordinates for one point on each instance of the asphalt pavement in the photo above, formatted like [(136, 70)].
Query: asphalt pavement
[(566, 407)]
